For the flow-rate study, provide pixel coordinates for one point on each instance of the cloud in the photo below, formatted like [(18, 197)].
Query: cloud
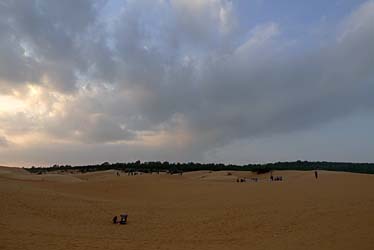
[(3, 141), (41, 45), (166, 73)]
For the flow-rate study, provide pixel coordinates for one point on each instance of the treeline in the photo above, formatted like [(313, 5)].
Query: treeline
[(157, 166)]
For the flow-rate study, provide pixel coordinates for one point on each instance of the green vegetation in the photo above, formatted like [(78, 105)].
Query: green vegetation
[(178, 168)]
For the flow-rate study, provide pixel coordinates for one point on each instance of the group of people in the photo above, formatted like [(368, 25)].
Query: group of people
[(276, 178), (122, 221), (254, 179), (272, 178)]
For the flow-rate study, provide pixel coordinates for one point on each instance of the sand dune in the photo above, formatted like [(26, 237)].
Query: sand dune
[(9, 170), (21, 174), (198, 210)]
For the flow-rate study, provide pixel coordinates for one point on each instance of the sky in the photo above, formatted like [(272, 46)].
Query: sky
[(241, 81)]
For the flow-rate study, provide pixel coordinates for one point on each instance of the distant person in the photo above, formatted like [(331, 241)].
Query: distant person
[(316, 174), (115, 219), (271, 176)]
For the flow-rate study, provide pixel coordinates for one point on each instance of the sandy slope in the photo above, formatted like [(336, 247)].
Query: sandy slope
[(21, 174), (199, 210)]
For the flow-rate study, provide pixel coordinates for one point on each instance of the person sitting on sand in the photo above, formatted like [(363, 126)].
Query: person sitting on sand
[(115, 219)]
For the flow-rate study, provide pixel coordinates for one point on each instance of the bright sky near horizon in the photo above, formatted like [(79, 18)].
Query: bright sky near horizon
[(241, 81)]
